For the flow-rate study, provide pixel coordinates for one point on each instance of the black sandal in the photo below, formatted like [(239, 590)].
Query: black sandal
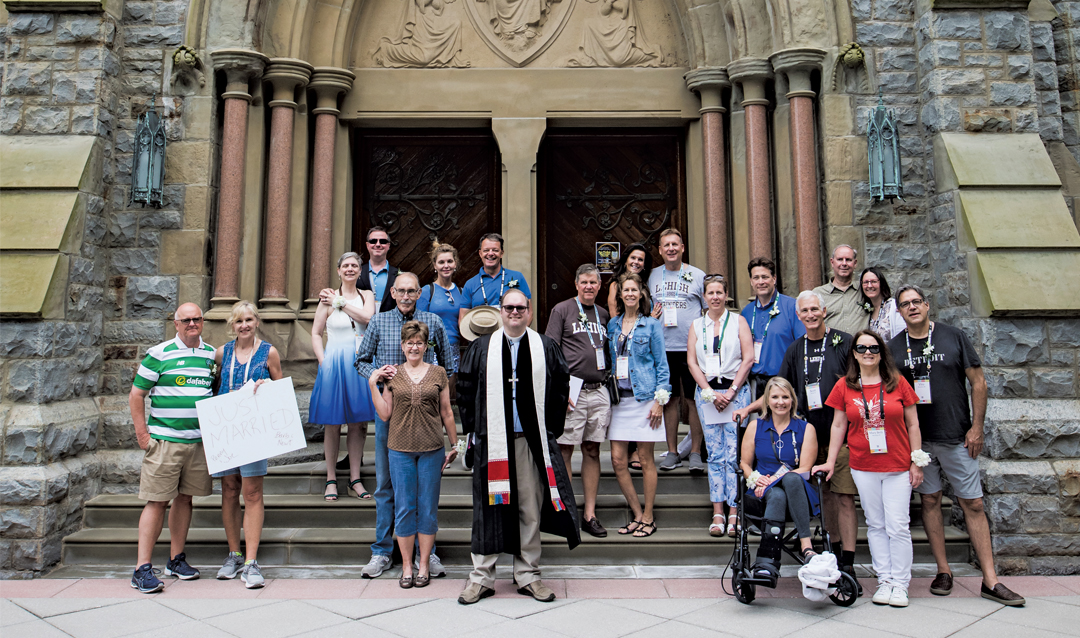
[(326, 495), (646, 530), (807, 554), (362, 495), (627, 529), (635, 466)]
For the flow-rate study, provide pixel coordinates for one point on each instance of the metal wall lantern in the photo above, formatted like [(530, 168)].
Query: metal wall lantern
[(883, 148), (148, 160)]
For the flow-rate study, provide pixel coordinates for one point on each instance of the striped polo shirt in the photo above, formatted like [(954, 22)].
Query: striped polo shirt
[(176, 376)]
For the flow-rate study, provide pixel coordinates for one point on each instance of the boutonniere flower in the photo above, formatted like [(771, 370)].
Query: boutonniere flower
[(928, 349), (213, 369), (868, 307), (686, 276), (708, 395), (339, 302), (662, 396), (582, 318), (513, 283), (431, 343), (775, 310), (836, 339)]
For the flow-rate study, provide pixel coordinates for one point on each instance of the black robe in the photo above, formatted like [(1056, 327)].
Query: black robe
[(495, 527)]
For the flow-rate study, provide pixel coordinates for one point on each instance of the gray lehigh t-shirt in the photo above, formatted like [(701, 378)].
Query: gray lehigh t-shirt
[(565, 328), (669, 287)]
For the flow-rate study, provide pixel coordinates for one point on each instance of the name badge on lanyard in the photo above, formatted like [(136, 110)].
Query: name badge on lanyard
[(922, 390), (712, 365), (600, 361), (876, 437), (757, 351), (671, 316), (813, 396), (622, 368)]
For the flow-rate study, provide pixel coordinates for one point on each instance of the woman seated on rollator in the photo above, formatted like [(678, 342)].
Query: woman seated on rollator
[(784, 449)]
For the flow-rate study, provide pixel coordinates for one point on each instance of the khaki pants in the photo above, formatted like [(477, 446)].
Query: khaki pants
[(530, 495)]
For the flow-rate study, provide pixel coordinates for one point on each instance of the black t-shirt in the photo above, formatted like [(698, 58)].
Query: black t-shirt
[(825, 368), (948, 417)]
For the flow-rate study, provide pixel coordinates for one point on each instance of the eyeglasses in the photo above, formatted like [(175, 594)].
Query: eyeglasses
[(863, 349), (910, 303), (410, 292), (193, 320), (414, 344), (379, 242), (515, 309)]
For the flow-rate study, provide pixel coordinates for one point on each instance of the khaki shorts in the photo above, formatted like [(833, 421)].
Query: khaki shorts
[(841, 481), (171, 468), (589, 420)]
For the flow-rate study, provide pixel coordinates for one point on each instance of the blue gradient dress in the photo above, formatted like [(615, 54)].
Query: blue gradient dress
[(341, 395)]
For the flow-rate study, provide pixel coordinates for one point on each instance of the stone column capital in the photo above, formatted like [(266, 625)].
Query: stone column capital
[(709, 83), (239, 65), (751, 73), (328, 82), (797, 65), (285, 74)]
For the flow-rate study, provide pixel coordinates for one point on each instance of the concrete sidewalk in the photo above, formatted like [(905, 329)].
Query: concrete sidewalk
[(586, 608)]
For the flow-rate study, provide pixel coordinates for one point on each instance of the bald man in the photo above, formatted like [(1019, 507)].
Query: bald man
[(175, 374)]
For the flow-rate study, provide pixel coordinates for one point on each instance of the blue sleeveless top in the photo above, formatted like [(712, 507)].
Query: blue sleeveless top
[(770, 448), (235, 374)]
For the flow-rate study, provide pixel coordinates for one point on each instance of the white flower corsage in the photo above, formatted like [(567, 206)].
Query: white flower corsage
[(461, 445), (868, 308), (928, 349), (708, 395), (662, 396), (686, 276), (837, 339), (582, 318), (920, 458), (339, 302), (775, 310), (751, 481), (513, 283)]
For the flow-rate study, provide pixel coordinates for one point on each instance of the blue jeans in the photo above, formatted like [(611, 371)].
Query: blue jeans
[(384, 494), (417, 477)]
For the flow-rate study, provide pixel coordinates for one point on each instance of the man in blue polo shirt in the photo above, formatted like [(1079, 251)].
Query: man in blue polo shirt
[(773, 320), (488, 286)]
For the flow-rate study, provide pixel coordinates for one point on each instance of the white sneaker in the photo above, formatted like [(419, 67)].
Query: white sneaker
[(379, 564), (884, 594), (898, 597)]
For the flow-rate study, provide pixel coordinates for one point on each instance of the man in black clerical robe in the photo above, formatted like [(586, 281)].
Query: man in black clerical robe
[(513, 503)]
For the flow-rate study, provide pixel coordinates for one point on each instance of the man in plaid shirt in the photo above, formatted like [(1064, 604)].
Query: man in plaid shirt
[(381, 346)]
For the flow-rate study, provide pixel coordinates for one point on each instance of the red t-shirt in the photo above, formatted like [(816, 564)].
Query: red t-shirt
[(898, 456)]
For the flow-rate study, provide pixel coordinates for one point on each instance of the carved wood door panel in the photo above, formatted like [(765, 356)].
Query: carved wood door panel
[(423, 185), (621, 185)]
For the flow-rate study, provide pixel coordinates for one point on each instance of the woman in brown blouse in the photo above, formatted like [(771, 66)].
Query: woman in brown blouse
[(415, 401)]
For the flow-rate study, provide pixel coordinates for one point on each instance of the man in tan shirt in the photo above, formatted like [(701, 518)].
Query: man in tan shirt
[(842, 297)]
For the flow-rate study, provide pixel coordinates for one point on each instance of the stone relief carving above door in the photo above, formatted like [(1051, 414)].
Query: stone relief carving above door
[(425, 38), (519, 30), (615, 37)]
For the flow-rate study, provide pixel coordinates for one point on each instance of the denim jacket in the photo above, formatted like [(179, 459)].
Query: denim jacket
[(648, 360)]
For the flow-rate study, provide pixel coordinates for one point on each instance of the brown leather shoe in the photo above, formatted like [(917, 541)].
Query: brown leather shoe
[(538, 590), (593, 526), (473, 592), (1002, 594), (942, 585)]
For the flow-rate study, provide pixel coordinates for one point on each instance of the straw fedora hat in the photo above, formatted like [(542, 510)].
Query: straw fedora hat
[(482, 320)]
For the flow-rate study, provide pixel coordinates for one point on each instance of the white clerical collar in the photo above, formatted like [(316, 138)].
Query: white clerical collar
[(514, 340)]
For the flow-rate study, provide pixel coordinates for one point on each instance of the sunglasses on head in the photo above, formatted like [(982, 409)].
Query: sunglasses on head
[(379, 242), (863, 349), (714, 277)]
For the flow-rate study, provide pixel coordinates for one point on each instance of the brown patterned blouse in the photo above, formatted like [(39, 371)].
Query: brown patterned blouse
[(416, 422)]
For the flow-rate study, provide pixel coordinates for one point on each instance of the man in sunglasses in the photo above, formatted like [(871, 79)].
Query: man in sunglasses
[(175, 374), (939, 361), (493, 281), (521, 485), (376, 274), (381, 346)]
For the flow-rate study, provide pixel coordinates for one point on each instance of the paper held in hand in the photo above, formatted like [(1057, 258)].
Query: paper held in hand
[(244, 426), (712, 415)]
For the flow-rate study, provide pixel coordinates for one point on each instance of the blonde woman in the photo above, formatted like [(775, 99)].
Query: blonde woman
[(246, 358), (443, 298)]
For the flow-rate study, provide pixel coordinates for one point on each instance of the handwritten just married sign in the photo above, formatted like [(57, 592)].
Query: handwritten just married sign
[(245, 426)]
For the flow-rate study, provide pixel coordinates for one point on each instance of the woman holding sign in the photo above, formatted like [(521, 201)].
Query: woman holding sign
[(720, 353), (875, 410), (415, 402), (246, 358), (340, 394)]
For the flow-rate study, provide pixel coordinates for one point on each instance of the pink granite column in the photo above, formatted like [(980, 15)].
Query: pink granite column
[(328, 83), (798, 64), (285, 74), (710, 83), (239, 66), (752, 73)]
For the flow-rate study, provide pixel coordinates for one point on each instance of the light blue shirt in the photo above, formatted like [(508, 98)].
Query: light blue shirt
[(378, 281), (515, 343)]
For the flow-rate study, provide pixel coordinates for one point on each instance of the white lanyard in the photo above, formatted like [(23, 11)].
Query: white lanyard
[(929, 346), (247, 366), (501, 283)]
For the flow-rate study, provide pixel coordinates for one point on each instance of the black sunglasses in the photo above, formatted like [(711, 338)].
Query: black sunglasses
[(195, 320), (863, 349), (512, 309), (381, 242)]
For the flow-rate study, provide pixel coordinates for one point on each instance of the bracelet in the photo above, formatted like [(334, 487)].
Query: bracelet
[(920, 458)]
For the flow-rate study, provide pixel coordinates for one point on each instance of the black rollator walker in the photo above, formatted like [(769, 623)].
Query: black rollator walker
[(747, 577)]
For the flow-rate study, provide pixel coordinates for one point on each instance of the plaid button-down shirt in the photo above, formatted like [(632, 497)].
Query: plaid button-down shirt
[(381, 344)]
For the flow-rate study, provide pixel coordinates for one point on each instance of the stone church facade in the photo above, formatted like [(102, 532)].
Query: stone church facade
[(290, 122)]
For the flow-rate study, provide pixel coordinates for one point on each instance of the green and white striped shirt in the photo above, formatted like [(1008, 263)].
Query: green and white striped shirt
[(176, 376)]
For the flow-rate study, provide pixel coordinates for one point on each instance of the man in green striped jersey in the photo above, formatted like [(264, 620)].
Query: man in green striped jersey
[(175, 374)]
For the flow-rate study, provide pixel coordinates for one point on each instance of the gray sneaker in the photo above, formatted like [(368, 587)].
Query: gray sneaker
[(233, 565), (696, 466), (376, 566), (669, 462), (435, 568), (252, 576)]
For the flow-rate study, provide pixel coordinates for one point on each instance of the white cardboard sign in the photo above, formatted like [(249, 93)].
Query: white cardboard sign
[(244, 426)]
